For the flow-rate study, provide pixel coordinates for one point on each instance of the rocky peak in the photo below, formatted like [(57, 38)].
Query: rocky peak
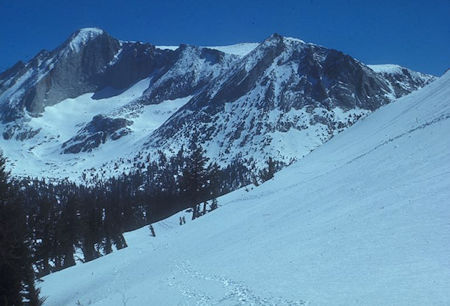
[(275, 38), (283, 86), (402, 80), (91, 48), (187, 70), (135, 61), (81, 37), (50, 77)]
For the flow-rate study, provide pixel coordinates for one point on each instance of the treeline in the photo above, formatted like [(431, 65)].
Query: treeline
[(68, 222), (66, 219), (65, 222)]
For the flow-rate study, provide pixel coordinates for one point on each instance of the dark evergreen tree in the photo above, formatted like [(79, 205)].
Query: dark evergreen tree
[(16, 272), (194, 177), (269, 172), (69, 229), (152, 230), (214, 180), (90, 225), (214, 204), (204, 207)]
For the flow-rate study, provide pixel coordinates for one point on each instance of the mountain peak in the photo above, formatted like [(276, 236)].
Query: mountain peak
[(275, 37), (90, 30), (82, 36), (294, 40)]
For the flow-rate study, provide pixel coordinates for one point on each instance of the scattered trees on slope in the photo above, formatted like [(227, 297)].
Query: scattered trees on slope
[(65, 222)]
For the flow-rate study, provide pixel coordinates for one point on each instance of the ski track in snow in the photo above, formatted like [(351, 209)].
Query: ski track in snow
[(422, 126), (232, 292)]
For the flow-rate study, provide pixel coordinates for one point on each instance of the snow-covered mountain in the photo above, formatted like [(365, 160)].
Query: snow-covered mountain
[(98, 105), (362, 220), (401, 80)]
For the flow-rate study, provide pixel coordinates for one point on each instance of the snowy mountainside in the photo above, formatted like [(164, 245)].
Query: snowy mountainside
[(192, 68), (402, 80), (281, 98), (66, 122), (362, 220)]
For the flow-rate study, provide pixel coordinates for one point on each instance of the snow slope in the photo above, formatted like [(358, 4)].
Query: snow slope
[(42, 153), (362, 220), (241, 49)]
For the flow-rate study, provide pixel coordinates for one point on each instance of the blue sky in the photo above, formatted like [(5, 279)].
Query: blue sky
[(415, 34)]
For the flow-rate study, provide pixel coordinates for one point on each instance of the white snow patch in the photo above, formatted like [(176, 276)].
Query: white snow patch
[(82, 36), (294, 39), (167, 47), (241, 49), (386, 68)]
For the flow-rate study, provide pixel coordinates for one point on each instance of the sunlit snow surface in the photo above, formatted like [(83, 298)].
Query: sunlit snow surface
[(42, 154), (362, 220), (82, 36), (241, 49)]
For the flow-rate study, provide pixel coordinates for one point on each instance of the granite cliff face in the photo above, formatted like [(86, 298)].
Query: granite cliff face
[(191, 69), (281, 98), (50, 77)]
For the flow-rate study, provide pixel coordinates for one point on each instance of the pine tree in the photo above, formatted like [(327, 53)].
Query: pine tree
[(194, 181), (152, 230), (204, 208), (90, 223), (214, 180), (213, 205), (69, 227), (269, 172), (16, 270)]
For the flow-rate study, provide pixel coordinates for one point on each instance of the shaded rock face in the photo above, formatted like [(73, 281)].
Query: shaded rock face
[(76, 73), (10, 76), (97, 132), (404, 81), (283, 86), (7, 80), (91, 60), (50, 77), (188, 71), (286, 74), (134, 62), (17, 132)]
